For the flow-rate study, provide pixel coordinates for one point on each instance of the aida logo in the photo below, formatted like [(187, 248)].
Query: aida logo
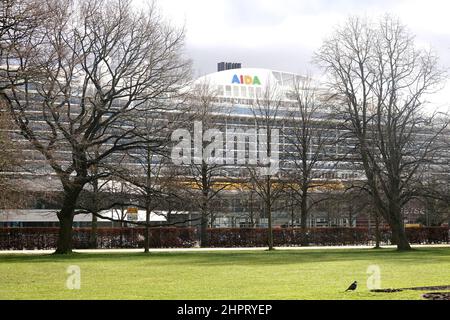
[(245, 80)]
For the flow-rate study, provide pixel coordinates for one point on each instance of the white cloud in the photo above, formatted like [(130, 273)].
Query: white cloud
[(256, 29), (430, 16)]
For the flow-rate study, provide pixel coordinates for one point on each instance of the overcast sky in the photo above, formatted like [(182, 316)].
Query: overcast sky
[(283, 34)]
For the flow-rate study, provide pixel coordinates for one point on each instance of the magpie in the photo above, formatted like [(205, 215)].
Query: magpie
[(352, 286)]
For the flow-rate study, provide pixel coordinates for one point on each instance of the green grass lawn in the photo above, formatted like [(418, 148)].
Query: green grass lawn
[(288, 274)]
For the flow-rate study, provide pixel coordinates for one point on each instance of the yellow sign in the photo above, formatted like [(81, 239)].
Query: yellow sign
[(132, 214), (413, 225), (132, 210)]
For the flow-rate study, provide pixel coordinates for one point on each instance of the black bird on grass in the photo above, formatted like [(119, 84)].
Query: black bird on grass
[(352, 286)]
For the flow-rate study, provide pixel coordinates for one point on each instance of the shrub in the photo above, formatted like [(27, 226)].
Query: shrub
[(45, 238)]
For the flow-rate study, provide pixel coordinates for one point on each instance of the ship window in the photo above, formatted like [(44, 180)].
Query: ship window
[(258, 92), (244, 92), (220, 91), (235, 91), (251, 92), (228, 91)]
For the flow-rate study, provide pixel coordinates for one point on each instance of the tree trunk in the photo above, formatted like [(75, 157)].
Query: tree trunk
[(147, 231), (148, 193), (252, 212), (292, 218), (395, 221), (65, 217), (398, 232), (93, 235), (122, 224), (377, 231), (304, 217), (269, 211), (204, 229), (211, 221), (350, 216), (64, 244), (270, 228), (95, 205), (292, 212), (394, 240), (169, 216), (204, 206)]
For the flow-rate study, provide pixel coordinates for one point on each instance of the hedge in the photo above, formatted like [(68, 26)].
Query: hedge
[(107, 238), (336, 236), (45, 238)]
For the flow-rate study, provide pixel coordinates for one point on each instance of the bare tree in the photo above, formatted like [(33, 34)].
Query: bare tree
[(249, 201), (310, 135), (88, 74), (18, 19), (265, 178), (10, 162), (206, 168), (380, 81), (150, 183), (436, 198)]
